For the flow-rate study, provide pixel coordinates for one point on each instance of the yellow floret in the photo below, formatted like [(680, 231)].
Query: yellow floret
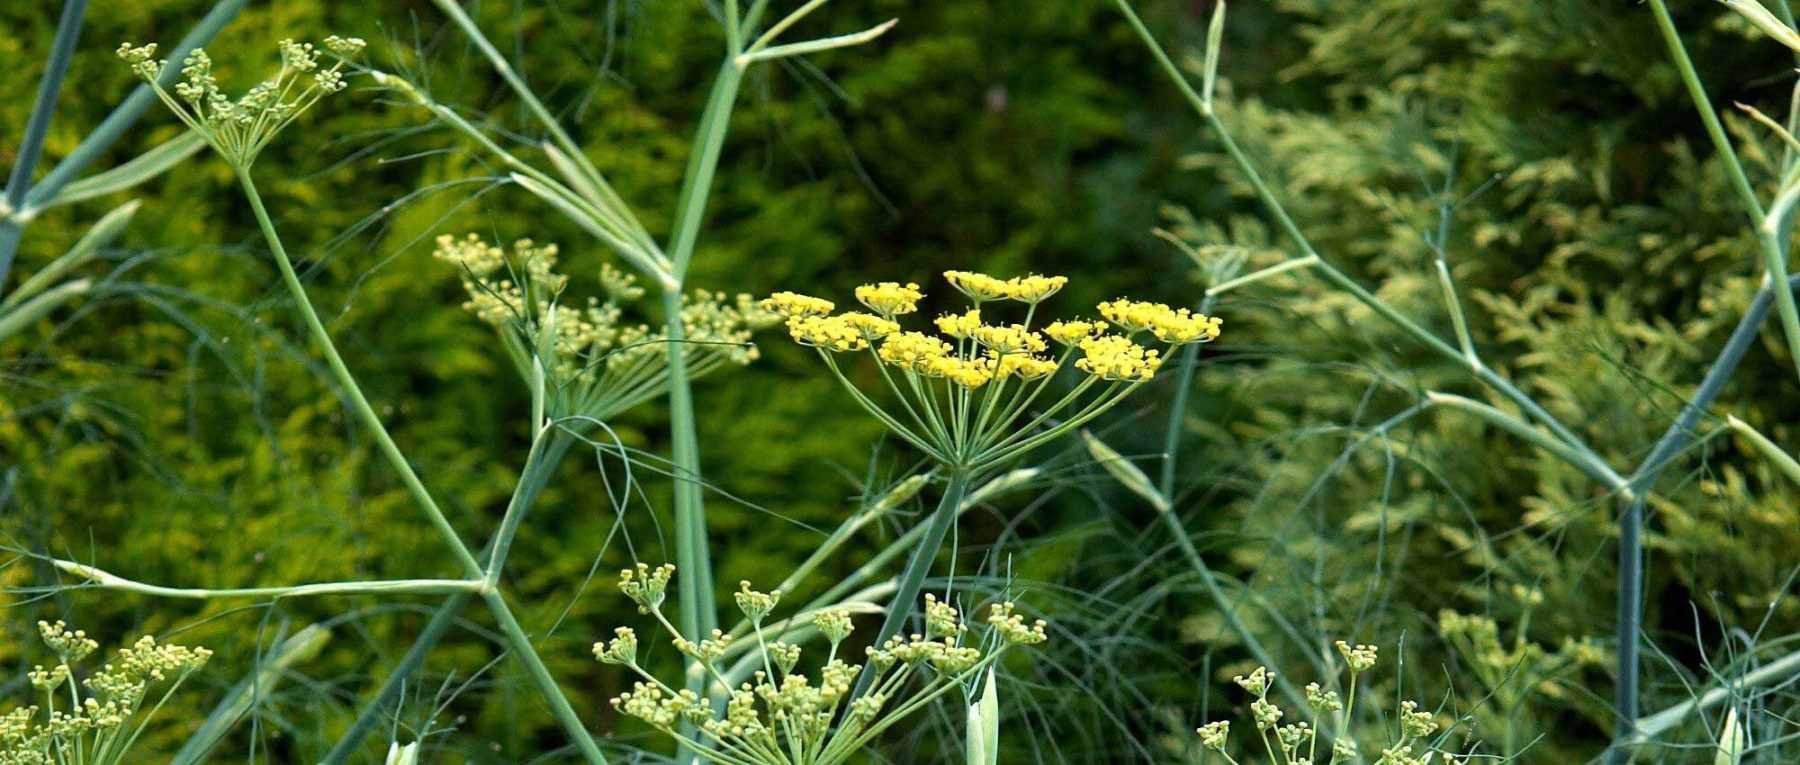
[(1181, 327), (1111, 357), (980, 287), (960, 325), (890, 298), (1034, 288), (832, 333), (1072, 332), (1022, 366), (871, 328), (968, 373), (792, 304), (1010, 338), (912, 350)]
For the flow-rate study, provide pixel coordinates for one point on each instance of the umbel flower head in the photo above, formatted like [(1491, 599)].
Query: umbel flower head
[(239, 128), (778, 714), (966, 394), (595, 361), (107, 711)]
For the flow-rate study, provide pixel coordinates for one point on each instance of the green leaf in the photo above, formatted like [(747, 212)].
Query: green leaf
[(84, 250), (984, 726), (1127, 473), (1766, 21), (1731, 741), (1783, 461), (1215, 32), (141, 168), (403, 755), (14, 320), (303, 645)]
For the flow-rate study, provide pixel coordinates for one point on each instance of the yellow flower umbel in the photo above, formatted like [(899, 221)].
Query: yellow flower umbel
[(108, 710), (784, 709), (590, 360), (240, 128), (965, 396)]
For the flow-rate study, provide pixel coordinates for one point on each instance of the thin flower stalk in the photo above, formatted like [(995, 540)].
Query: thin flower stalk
[(782, 715), (238, 130), (965, 396), (603, 213), (107, 711)]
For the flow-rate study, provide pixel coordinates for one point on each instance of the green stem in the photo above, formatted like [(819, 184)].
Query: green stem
[(375, 710), (698, 614), (1773, 257), (359, 403), (912, 578), (62, 50), (540, 674), (99, 579), (547, 452)]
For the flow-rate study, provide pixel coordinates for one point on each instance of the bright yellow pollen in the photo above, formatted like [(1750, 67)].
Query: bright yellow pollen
[(832, 333), (1072, 332), (960, 326), (912, 350), (1111, 357), (792, 304), (1182, 327), (968, 373), (980, 287), (871, 328), (1034, 288), (1170, 325), (890, 299), (1010, 338), (1022, 366)]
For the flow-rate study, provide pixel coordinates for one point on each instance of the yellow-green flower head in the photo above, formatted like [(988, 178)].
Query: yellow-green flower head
[(960, 325), (470, 254), (1022, 366), (832, 333), (618, 284), (1213, 735), (871, 328), (1073, 332), (1132, 315), (913, 350), (979, 287), (1111, 357), (1010, 338), (239, 129), (968, 373), (1034, 288), (1181, 327), (890, 299), (792, 304)]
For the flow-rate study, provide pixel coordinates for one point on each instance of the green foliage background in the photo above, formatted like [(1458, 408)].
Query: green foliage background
[(181, 431)]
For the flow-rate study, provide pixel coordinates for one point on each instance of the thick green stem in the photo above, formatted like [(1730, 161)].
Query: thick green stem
[(359, 404), (540, 675), (547, 451), (99, 579), (376, 709), (1774, 259), (912, 578), (539, 467), (698, 614), (62, 50)]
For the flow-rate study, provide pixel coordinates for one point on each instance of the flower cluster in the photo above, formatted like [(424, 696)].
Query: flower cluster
[(101, 723), (775, 713), (240, 128), (964, 390), (597, 363), (1296, 743)]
